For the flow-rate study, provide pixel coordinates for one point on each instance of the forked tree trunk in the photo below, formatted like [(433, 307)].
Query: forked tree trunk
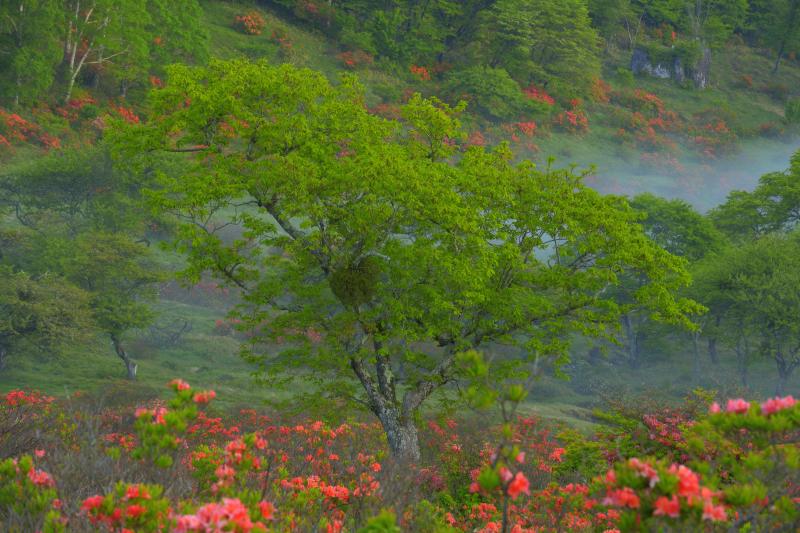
[(130, 366), (785, 369)]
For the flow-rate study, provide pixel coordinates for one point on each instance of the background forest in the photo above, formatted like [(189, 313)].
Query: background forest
[(405, 214)]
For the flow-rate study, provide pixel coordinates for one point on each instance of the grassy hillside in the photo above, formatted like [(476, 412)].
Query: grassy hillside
[(208, 358)]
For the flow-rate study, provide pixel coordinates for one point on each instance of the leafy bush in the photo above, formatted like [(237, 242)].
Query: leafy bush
[(491, 92)]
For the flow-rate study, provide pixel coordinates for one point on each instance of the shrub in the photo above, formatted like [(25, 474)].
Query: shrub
[(491, 92), (250, 23), (688, 468), (624, 76), (355, 59)]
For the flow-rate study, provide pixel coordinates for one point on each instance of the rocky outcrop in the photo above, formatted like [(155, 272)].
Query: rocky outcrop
[(672, 66)]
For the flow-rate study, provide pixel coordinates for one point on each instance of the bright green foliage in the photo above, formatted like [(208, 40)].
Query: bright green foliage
[(29, 49), (491, 92), (677, 227), (158, 430), (547, 41), (385, 522), (756, 455), (41, 313), (28, 491), (459, 254)]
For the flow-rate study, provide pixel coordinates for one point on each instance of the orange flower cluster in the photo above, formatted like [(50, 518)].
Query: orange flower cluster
[(251, 23)]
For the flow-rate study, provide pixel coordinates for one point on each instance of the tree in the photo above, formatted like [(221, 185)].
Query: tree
[(99, 31), (29, 50), (44, 312), (754, 287), (774, 205), (776, 23), (676, 227), (359, 239), (610, 16), (547, 41), (119, 279), (491, 92), (87, 223)]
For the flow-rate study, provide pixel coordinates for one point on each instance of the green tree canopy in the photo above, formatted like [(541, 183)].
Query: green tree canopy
[(547, 41), (677, 227), (85, 222), (42, 313), (29, 49), (753, 288), (367, 242), (774, 205)]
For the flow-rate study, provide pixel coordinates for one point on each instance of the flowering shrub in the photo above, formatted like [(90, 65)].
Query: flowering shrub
[(710, 135), (736, 466), (601, 91), (251, 23), (651, 496), (16, 130), (27, 490), (532, 92), (420, 72), (126, 114), (355, 59), (572, 121), (281, 38)]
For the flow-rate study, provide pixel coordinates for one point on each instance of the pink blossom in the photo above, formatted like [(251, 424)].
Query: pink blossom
[(773, 405), (737, 405), (715, 513)]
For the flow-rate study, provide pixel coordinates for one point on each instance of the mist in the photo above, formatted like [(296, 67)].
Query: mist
[(704, 185)]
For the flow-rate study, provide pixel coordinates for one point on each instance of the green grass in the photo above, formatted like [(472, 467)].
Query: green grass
[(208, 360)]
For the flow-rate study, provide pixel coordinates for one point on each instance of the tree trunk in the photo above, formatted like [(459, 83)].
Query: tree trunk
[(713, 354), (696, 365), (778, 59), (784, 372), (130, 366), (402, 436), (741, 360), (594, 355), (3, 357), (633, 341)]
